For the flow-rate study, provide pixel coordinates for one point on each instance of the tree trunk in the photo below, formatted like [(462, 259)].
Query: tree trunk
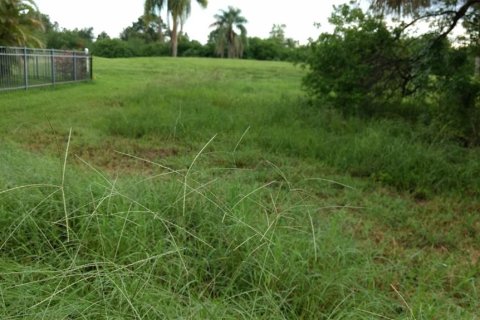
[(175, 37)]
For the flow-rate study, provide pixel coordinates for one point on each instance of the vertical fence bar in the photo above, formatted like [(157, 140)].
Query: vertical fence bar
[(52, 62), (25, 68), (2, 67), (74, 66), (37, 69), (90, 61)]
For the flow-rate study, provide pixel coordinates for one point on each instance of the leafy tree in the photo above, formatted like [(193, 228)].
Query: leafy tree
[(153, 9), (365, 68), (143, 29), (276, 47), (190, 48), (360, 67), (20, 23), (103, 36), (70, 39), (278, 32), (263, 49), (230, 33)]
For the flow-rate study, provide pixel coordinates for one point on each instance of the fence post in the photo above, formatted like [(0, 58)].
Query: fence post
[(87, 63), (25, 68), (90, 60)]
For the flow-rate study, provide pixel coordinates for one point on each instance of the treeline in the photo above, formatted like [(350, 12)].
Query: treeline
[(257, 48), (142, 39)]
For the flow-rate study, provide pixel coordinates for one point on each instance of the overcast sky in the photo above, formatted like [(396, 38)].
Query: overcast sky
[(112, 16)]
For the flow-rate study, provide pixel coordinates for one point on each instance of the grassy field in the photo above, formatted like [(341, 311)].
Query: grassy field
[(212, 189)]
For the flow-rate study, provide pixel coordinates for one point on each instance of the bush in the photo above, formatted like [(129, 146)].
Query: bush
[(457, 97), (112, 48), (271, 49), (155, 49)]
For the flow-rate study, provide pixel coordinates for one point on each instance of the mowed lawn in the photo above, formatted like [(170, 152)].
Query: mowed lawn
[(213, 189)]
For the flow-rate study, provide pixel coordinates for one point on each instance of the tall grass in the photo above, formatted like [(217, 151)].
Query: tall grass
[(172, 246), (387, 151)]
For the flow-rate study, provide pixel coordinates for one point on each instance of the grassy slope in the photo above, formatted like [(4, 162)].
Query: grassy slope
[(250, 227)]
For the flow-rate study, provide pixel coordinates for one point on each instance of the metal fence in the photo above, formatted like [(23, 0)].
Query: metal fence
[(23, 68)]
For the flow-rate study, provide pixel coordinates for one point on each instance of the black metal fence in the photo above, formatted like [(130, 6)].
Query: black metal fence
[(23, 68)]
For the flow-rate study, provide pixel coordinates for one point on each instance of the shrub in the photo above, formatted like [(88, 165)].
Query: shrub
[(112, 48)]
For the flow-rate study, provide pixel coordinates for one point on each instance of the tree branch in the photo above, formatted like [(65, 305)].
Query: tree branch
[(459, 15)]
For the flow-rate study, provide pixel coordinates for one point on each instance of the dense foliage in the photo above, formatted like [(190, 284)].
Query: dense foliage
[(70, 39), (137, 47), (366, 68), (357, 66), (275, 47), (141, 40)]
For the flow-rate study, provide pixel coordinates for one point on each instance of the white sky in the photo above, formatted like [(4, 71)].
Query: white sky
[(112, 16)]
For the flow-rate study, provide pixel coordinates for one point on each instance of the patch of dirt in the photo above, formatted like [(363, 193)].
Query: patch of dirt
[(135, 160), (41, 141), (114, 155)]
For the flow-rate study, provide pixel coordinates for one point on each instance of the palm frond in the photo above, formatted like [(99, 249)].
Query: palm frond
[(21, 22), (403, 7)]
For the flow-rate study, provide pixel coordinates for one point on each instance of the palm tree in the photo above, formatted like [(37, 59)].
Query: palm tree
[(179, 10), (20, 22), (225, 35)]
